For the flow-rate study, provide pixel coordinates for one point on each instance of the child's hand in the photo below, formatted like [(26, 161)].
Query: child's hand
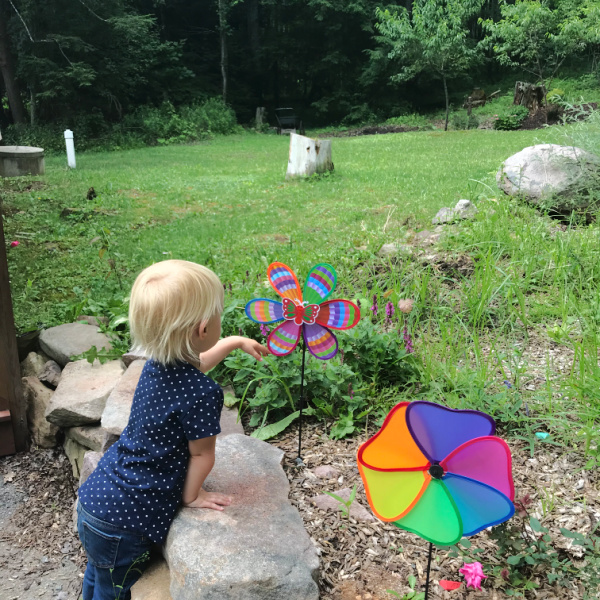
[(253, 348), (209, 500)]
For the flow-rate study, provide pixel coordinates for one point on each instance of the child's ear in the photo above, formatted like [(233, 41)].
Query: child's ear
[(202, 329)]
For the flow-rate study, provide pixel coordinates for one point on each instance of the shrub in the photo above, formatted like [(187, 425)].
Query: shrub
[(461, 120), (148, 125), (511, 119)]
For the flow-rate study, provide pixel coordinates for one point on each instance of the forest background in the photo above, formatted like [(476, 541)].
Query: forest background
[(115, 70)]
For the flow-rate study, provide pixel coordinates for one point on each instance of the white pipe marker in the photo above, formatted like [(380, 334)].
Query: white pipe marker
[(70, 148)]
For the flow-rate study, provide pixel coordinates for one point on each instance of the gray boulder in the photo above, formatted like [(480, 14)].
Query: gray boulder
[(37, 397), (81, 395), (118, 405), (71, 339), (549, 172), (257, 548)]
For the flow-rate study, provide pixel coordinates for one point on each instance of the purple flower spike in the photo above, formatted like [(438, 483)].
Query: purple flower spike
[(265, 330), (389, 310), (374, 307)]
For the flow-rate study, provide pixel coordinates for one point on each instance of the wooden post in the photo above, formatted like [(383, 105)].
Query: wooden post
[(11, 392)]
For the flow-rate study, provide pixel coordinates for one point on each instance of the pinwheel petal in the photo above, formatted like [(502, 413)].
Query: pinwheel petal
[(478, 504), (321, 343), (284, 338), (434, 517), (438, 430), (263, 310), (319, 283), (393, 447), (484, 459), (284, 281), (338, 314), (391, 494)]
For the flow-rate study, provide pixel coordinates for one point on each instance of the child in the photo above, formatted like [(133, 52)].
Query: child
[(168, 447)]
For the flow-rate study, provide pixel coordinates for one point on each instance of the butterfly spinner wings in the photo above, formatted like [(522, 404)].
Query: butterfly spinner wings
[(306, 312)]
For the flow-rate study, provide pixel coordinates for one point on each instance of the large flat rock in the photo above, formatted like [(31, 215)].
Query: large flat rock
[(118, 406), (257, 548), (64, 341), (81, 395)]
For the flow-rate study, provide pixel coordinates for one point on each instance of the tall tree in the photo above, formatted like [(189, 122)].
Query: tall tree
[(7, 66), (433, 38), (539, 35)]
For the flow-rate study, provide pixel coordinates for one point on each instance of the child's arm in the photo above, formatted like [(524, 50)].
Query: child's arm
[(211, 358), (202, 459)]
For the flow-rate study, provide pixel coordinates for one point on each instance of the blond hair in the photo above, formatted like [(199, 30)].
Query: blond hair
[(168, 301)]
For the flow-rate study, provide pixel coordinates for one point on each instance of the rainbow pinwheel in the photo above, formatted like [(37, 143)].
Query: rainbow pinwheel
[(303, 310), (438, 472)]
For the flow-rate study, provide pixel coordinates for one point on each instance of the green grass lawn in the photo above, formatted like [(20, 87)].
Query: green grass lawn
[(226, 203)]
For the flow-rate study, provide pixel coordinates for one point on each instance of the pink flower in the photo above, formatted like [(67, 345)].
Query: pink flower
[(14, 244), (473, 573)]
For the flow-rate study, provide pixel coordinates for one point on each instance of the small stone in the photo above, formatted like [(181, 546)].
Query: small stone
[(326, 472), (33, 365), (357, 510), (51, 374)]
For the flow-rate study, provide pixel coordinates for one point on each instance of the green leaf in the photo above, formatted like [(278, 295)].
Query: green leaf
[(513, 560), (266, 433), (465, 543), (535, 524)]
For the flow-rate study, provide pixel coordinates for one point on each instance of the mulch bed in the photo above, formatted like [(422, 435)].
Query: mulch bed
[(361, 560), (40, 554)]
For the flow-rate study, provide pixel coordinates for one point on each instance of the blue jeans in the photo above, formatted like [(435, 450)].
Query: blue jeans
[(116, 558)]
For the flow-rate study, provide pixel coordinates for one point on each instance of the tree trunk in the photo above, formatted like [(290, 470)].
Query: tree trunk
[(447, 102), (529, 95), (15, 101), (223, 39), (308, 156)]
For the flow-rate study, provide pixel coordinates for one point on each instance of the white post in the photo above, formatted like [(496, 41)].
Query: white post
[(70, 148)]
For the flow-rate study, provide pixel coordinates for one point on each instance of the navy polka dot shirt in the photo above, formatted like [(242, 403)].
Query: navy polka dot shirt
[(138, 483)]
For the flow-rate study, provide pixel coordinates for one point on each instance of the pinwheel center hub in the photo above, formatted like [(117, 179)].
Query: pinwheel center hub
[(436, 471)]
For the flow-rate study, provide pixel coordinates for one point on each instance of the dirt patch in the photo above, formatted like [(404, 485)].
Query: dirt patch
[(554, 114), (369, 130)]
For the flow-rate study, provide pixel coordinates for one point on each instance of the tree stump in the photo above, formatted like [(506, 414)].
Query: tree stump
[(308, 156), (529, 95)]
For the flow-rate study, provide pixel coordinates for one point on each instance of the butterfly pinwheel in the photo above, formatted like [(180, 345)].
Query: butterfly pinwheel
[(307, 311)]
